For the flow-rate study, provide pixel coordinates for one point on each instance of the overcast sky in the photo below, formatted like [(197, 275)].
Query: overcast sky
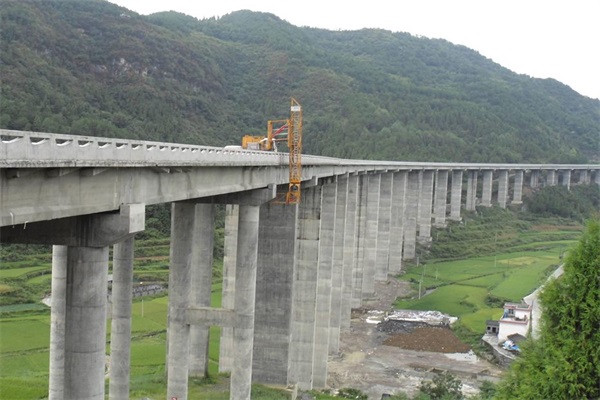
[(557, 39)]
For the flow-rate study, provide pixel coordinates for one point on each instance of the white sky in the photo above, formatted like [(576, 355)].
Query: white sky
[(557, 39)]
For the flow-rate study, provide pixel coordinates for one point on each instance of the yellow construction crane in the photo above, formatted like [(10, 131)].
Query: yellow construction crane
[(284, 130)]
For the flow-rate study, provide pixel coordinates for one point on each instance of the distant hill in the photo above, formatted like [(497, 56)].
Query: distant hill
[(94, 68)]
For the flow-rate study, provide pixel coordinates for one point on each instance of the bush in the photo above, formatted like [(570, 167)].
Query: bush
[(444, 386)]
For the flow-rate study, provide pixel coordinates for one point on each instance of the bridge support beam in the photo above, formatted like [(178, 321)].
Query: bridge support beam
[(349, 249), (518, 187), (57, 323), (584, 177), (412, 209), (370, 235), (440, 198), (551, 178), (120, 332), (351, 239), (471, 200), (398, 212), (305, 289), (202, 263), (456, 194), (274, 290), (503, 188), (226, 356), (534, 178), (383, 227), (337, 273), (565, 176), (425, 205), (486, 190), (324, 283)]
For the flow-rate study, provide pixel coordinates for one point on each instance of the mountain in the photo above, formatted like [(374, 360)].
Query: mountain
[(94, 68)]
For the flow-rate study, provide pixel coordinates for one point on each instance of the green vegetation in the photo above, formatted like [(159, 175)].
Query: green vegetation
[(563, 362), (94, 68)]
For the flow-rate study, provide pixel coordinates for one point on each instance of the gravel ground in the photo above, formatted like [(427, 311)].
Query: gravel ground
[(395, 356)]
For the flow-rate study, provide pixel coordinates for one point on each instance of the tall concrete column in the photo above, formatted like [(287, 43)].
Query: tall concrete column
[(274, 293), (471, 190), (440, 197), (180, 278), (120, 332), (324, 282), (518, 190), (350, 291), (245, 294), (584, 177), (383, 227), (455, 195), (337, 276), (597, 177), (534, 178), (486, 192), (412, 207), (226, 356), (361, 227), (58, 300), (425, 206), (202, 263), (370, 237), (305, 289), (551, 178), (503, 187), (399, 188), (566, 178), (85, 327)]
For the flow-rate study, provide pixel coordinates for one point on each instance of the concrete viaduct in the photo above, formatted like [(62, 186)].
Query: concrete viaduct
[(292, 273)]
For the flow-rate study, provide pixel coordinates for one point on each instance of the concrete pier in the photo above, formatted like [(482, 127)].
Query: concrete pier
[(518, 187), (534, 178), (584, 177), (456, 195), (398, 211), (56, 387), (85, 326), (502, 187), (383, 227), (486, 191), (245, 293), (361, 227), (120, 332), (337, 274), (274, 291), (565, 176), (324, 283), (425, 206), (412, 208), (370, 236), (352, 282), (305, 289), (202, 263), (551, 178), (440, 198), (471, 200), (226, 356), (180, 284)]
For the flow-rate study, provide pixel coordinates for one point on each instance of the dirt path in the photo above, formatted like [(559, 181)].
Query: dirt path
[(372, 360)]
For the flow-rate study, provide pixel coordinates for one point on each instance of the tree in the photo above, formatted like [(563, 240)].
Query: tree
[(443, 386), (563, 363)]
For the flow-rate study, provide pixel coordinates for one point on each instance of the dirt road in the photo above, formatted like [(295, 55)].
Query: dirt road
[(371, 360)]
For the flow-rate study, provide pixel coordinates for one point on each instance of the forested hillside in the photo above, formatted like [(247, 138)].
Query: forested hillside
[(93, 68)]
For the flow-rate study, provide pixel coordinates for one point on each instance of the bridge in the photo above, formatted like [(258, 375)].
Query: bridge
[(292, 273)]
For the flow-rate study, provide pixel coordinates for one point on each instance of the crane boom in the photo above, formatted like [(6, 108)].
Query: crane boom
[(295, 149)]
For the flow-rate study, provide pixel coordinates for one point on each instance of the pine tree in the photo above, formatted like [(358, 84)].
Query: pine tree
[(564, 363)]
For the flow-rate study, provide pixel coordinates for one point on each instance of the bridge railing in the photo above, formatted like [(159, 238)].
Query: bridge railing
[(31, 149)]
